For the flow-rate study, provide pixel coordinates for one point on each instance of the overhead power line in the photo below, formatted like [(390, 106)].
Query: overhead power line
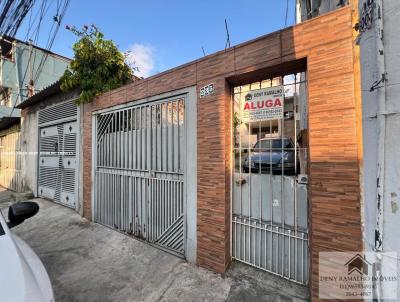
[(12, 15), (57, 18), (13, 12)]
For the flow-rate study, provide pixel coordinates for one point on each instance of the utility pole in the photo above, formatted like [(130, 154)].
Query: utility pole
[(31, 89)]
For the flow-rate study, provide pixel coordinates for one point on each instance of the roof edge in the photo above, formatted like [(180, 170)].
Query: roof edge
[(41, 95)]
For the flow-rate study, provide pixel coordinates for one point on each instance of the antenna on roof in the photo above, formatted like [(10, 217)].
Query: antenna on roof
[(287, 10), (228, 41), (204, 53)]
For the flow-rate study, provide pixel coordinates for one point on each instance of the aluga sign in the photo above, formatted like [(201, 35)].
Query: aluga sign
[(262, 104)]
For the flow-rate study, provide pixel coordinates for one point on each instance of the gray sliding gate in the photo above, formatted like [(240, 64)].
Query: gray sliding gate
[(139, 172)]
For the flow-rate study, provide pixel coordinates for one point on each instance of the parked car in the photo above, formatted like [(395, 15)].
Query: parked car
[(23, 277), (271, 155)]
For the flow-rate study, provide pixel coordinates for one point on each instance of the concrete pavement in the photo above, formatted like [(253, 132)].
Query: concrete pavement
[(89, 262), (5, 196)]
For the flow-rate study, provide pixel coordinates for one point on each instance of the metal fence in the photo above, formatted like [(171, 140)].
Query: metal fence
[(269, 183), (11, 159), (139, 172), (58, 164)]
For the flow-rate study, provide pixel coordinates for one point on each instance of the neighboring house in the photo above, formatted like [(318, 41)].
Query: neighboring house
[(154, 158), (158, 161), (24, 70), (308, 9), (380, 73)]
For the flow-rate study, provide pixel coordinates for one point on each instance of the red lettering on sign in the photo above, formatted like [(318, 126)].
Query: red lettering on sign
[(262, 104)]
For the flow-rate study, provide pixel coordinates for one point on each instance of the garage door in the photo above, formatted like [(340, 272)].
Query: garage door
[(57, 154), (139, 172)]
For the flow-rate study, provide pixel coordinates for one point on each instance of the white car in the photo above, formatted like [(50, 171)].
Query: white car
[(23, 277)]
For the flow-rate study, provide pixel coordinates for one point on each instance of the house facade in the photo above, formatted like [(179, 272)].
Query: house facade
[(142, 113), (251, 154), (24, 70)]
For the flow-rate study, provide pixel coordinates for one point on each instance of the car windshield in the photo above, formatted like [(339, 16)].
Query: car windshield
[(273, 144)]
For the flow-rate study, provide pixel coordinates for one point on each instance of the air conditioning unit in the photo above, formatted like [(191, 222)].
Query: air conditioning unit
[(302, 179)]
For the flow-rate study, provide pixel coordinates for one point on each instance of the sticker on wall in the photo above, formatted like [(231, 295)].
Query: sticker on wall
[(206, 90), (262, 104)]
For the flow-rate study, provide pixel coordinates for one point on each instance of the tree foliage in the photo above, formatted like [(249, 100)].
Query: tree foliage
[(98, 66)]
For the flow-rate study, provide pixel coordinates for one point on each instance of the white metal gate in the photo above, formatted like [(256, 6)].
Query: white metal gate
[(269, 181), (139, 172), (58, 130)]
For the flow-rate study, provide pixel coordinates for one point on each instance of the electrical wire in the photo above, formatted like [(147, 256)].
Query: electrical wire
[(34, 38), (60, 16), (34, 41), (14, 12), (28, 31)]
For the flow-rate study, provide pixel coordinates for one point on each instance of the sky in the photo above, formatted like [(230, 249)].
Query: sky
[(162, 34)]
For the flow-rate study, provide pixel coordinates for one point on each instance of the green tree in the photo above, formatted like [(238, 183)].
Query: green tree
[(98, 66)]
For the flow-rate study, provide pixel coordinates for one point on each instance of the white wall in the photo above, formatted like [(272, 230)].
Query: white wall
[(29, 139), (380, 54), (391, 210), (29, 147)]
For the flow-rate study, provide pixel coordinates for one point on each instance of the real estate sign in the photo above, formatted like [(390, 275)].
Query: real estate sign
[(262, 104)]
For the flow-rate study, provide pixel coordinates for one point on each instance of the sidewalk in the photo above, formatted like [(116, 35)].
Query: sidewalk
[(5, 196), (90, 262)]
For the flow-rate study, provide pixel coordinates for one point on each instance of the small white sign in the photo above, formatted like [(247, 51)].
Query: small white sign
[(262, 104), (207, 90)]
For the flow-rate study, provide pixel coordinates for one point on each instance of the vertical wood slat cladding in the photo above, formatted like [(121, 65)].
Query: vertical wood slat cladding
[(327, 44)]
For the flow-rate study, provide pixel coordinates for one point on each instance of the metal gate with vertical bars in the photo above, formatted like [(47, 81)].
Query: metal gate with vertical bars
[(269, 181), (139, 171), (11, 159), (58, 130)]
